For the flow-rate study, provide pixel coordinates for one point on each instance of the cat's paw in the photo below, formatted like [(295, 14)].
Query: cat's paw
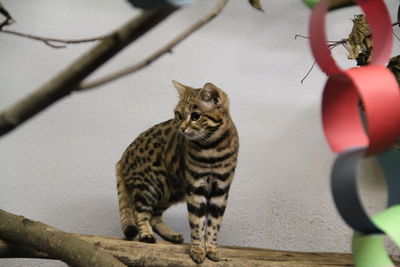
[(197, 254), (177, 239), (171, 237), (212, 254), (130, 232), (148, 239)]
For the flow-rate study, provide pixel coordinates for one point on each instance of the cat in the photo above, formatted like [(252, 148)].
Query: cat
[(191, 157)]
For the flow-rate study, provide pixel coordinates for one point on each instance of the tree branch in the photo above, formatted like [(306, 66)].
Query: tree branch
[(50, 41), (163, 50), (67, 81), (12, 250), (58, 244), (164, 254)]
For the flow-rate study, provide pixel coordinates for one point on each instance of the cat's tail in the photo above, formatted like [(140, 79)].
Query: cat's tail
[(125, 207)]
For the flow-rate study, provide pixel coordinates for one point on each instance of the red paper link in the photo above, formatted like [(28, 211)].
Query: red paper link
[(381, 29), (378, 89)]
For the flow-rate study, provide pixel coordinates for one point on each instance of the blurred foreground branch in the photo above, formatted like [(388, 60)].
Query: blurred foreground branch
[(68, 80), (163, 50), (71, 79)]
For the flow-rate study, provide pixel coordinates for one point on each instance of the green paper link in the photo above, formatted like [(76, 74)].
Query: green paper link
[(369, 250), (311, 3), (335, 4)]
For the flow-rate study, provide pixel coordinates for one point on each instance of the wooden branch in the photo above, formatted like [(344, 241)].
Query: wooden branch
[(66, 247), (13, 250), (163, 254), (163, 50), (68, 80), (51, 41)]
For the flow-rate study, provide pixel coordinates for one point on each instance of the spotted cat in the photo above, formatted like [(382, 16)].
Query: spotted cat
[(191, 157)]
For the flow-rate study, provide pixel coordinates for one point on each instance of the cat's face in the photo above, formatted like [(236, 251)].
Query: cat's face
[(201, 113)]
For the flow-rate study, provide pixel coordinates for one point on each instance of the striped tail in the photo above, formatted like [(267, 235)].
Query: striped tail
[(125, 208)]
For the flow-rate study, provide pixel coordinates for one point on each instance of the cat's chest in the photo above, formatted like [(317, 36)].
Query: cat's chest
[(210, 158)]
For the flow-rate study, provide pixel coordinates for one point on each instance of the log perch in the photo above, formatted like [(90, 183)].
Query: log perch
[(163, 254), (32, 235)]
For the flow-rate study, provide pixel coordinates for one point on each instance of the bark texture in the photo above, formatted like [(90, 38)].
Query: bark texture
[(163, 254), (36, 236)]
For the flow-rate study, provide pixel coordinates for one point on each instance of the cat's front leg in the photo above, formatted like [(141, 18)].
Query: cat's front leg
[(215, 211), (196, 199)]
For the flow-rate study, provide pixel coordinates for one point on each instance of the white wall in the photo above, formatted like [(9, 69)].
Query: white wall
[(58, 168)]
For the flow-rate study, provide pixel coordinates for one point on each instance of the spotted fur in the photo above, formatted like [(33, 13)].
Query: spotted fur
[(192, 157)]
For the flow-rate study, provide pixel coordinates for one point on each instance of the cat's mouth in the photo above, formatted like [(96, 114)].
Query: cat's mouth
[(190, 135)]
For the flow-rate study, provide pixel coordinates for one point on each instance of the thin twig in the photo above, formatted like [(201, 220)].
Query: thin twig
[(50, 41), (333, 44), (395, 35), (67, 80), (165, 49), (309, 71), (46, 40), (330, 43), (301, 36)]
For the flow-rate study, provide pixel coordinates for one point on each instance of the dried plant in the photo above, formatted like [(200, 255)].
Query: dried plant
[(359, 41)]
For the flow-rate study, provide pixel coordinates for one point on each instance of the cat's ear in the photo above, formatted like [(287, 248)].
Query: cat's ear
[(179, 87), (212, 97)]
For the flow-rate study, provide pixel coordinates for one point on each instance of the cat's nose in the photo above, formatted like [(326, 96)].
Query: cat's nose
[(183, 130), (183, 127)]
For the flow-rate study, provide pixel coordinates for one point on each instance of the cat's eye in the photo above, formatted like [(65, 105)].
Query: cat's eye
[(195, 116), (178, 116)]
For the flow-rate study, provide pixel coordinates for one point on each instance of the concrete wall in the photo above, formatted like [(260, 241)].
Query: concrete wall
[(59, 167)]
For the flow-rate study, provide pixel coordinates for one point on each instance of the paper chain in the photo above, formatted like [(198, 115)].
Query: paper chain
[(355, 135)]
